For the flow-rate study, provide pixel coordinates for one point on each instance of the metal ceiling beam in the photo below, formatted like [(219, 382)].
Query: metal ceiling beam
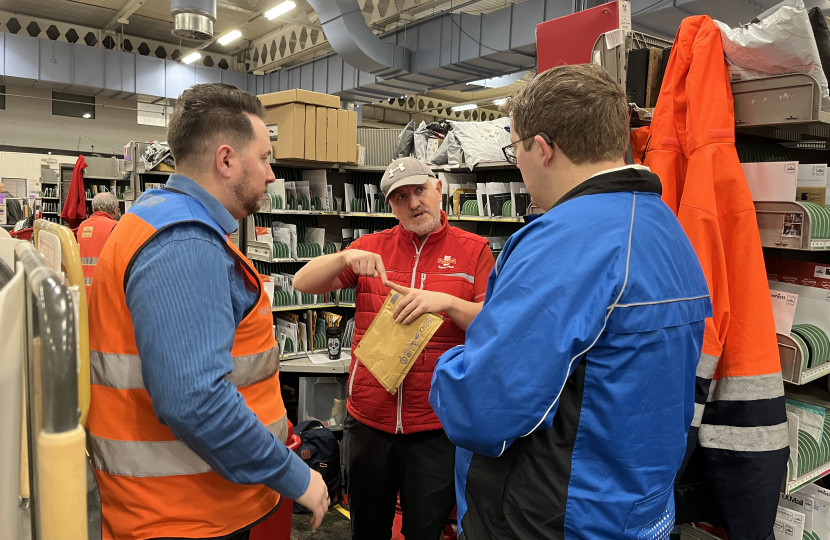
[(123, 15), (414, 10)]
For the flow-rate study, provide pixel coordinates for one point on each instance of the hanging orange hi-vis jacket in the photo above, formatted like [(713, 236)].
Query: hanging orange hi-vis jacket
[(738, 447), (153, 485)]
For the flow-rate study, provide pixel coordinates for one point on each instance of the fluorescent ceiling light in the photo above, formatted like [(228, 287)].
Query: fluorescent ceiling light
[(500, 101), (233, 35), (192, 57), (466, 107), (87, 115), (281, 9)]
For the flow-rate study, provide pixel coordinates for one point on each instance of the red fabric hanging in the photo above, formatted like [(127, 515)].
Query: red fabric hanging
[(74, 209)]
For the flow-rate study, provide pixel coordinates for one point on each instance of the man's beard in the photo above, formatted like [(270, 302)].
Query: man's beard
[(424, 226), (251, 197)]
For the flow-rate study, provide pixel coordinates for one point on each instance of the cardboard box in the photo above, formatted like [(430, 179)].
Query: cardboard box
[(343, 148), (299, 96), (772, 181), (331, 136), (288, 121), (311, 132), (320, 135), (351, 135)]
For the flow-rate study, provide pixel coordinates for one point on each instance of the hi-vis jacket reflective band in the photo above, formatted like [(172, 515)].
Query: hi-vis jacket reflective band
[(152, 485), (92, 236), (740, 415)]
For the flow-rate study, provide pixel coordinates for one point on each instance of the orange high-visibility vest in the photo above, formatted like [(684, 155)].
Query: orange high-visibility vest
[(92, 235), (152, 485)]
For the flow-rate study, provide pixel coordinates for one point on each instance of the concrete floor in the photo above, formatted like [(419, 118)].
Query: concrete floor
[(334, 527)]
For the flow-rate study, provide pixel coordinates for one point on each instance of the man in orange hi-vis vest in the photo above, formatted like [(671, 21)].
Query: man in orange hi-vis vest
[(187, 426), (94, 232)]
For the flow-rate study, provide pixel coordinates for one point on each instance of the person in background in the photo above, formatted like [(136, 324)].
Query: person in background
[(395, 443), (14, 210), (573, 394), (94, 232), (187, 426)]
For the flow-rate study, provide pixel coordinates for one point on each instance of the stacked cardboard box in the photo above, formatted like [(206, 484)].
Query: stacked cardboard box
[(310, 126)]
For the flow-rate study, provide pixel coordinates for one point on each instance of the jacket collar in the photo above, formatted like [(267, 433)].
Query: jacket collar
[(628, 178), (219, 213), (102, 214), (409, 237)]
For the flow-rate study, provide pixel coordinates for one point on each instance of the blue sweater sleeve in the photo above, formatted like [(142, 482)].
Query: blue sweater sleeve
[(544, 309), (179, 297)]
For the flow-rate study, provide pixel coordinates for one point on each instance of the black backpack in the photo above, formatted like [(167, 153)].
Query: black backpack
[(321, 451)]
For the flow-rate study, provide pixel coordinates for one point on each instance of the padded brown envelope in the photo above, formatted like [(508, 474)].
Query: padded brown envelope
[(389, 349)]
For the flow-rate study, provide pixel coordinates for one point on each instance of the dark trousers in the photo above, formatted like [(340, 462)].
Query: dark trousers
[(379, 465)]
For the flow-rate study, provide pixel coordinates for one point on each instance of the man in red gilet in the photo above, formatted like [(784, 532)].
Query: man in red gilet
[(395, 443)]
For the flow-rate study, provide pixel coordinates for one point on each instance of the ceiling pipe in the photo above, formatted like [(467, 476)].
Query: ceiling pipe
[(354, 41)]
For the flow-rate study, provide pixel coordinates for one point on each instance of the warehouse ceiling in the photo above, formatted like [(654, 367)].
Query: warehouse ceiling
[(298, 31)]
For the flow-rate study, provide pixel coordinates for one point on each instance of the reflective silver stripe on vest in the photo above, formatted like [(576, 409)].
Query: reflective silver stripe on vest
[(87, 281), (123, 371), (749, 388), (89, 261), (698, 418), (253, 368), (744, 439), (119, 371), (706, 366), (468, 277), (143, 459)]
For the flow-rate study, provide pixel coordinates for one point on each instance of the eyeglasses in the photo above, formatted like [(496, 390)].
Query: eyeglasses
[(509, 151)]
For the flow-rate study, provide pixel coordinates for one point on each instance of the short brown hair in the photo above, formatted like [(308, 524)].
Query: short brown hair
[(206, 114), (581, 108)]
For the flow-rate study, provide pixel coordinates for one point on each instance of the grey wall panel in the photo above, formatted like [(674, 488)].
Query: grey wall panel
[(55, 62), (448, 44), (334, 67), (88, 67), (2, 53), (260, 84), (365, 79), (469, 41), (179, 76), (495, 31), (235, 78), (349, 77), (252, 84), (204, 75), (293, 78), (559, 8), (320, 74), (307, 77), (526, 15), (283, 76), (128, 72), (21, 55), (149, 76), (112, 70)]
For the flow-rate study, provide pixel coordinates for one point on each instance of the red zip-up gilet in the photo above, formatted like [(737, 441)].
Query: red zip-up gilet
[(446, 263)]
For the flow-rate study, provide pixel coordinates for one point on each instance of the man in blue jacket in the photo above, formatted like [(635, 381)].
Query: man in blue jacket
[(571, 400)]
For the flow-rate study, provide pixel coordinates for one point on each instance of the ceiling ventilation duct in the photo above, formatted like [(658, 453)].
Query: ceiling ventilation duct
[(354, 41), (193, 19)]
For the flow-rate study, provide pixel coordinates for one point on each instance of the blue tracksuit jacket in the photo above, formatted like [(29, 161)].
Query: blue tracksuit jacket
[(572, 398)]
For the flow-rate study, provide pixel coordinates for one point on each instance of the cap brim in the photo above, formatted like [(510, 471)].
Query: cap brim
[(415, 180)]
